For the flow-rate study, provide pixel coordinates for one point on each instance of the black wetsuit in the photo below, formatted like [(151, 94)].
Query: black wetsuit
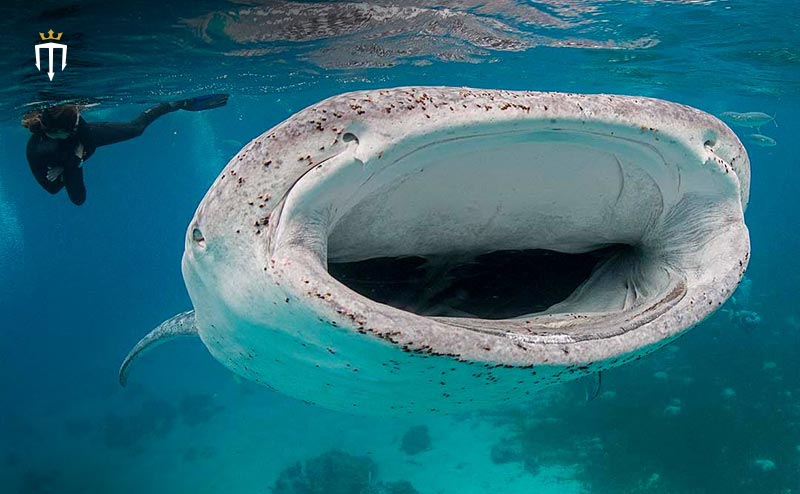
[(45, 152)]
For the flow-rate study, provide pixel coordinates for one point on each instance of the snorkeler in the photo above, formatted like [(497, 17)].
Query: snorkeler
[(62, 140)]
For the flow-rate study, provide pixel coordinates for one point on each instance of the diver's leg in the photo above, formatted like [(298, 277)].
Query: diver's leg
[(105, 133), (148, 116), (73, 179)]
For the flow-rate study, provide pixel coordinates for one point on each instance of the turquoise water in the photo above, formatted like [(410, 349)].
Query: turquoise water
[(717, 411)]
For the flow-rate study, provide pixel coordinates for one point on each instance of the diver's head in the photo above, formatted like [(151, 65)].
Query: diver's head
[(57, 122)]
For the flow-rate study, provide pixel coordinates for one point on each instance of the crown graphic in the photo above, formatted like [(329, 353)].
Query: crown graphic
[(50, 36)]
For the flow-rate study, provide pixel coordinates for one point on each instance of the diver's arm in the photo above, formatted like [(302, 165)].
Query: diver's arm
[(42, 160)]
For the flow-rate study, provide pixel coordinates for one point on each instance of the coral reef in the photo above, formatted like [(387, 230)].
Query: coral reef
[(337, 472), (334, 472)]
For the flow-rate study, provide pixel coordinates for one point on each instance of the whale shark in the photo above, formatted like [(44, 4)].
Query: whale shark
[(445, 249)]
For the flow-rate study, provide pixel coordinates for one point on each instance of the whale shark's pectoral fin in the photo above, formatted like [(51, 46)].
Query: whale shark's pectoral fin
[(182, 324)]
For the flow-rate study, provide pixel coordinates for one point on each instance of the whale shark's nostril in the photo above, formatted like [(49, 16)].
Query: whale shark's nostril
[(198, 237)]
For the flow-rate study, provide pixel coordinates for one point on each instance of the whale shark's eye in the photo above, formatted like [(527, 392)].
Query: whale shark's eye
[(198, 237)]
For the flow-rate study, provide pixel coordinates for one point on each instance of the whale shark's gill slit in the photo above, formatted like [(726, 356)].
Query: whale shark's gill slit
[(621, 180), (495, 285)]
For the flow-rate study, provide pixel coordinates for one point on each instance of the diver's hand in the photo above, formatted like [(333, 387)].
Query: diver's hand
[(55, 173)]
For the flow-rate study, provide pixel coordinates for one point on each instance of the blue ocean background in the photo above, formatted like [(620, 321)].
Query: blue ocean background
[(717, 411)]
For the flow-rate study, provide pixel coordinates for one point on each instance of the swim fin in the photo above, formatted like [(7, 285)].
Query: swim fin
[(205, 102)]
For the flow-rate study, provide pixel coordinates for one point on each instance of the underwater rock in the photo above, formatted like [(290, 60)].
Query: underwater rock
[(334, 472), (630, 208), (416, 440)]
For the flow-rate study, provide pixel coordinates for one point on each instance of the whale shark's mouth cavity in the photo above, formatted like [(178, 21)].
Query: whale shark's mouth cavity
[(495, 285), (582, 234), (500, 225)]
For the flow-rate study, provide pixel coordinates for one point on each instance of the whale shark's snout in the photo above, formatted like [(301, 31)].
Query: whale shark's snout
[(447, 248)]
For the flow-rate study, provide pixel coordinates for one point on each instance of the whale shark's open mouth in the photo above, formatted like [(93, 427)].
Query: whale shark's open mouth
[(547, 231), (503, 225)]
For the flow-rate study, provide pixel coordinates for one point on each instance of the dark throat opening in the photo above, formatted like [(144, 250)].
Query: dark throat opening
[(497, 285)]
